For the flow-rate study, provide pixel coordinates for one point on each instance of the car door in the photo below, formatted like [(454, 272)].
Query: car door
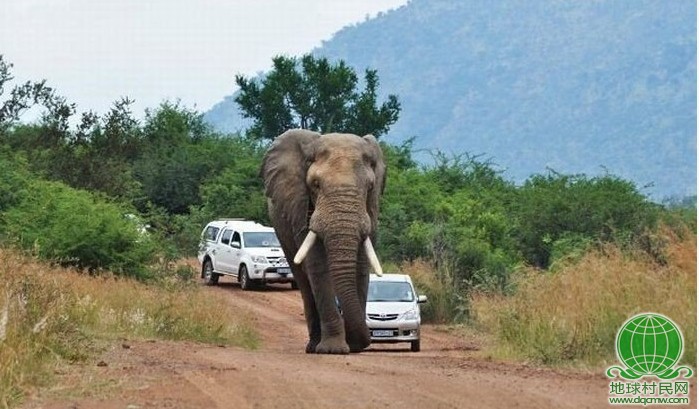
[(224, 253), (236, 250)]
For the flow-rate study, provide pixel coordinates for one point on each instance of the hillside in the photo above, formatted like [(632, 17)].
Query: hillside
[(578, 87)]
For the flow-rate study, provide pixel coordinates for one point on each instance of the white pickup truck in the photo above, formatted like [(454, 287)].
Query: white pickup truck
[(244, 249)]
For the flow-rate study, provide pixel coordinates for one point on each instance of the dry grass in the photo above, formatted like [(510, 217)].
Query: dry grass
[(51, 315), (572, 316), (445, 303)]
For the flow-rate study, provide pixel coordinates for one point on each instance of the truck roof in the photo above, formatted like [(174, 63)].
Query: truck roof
[(241, 225)]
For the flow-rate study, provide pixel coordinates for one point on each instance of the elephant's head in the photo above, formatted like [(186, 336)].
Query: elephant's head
[(325, 190)]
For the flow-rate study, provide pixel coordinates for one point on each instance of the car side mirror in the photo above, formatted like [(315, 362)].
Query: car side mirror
[(235, 244), (421, 299)]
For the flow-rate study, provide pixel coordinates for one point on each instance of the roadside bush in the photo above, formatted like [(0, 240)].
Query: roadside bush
[(236, 192), (552, 207), (77, 228), (13, 180), (573, 314)]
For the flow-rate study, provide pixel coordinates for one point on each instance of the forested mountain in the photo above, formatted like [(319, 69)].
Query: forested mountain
[(575, 86)]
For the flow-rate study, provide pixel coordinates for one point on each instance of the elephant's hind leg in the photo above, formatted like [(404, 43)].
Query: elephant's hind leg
[(309, 308)]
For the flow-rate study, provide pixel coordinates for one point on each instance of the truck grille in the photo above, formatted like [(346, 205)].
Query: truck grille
[(382, 317)]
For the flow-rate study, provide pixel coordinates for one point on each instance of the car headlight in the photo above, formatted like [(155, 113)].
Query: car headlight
[(259, 259), (410, 315)]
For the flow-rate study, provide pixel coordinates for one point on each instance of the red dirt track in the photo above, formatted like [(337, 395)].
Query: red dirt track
[(445, 374)]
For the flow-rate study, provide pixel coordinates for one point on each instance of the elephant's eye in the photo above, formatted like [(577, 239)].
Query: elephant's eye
[(370, 160), (316, 184)]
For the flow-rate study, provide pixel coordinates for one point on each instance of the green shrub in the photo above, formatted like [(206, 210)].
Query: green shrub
[(554, 207), (77, 228), (13, 180)]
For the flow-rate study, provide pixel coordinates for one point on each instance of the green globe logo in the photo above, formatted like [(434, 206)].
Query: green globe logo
[(649, 344)]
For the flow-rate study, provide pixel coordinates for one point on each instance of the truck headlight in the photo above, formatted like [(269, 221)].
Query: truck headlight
[(410, 315), (259, 259)]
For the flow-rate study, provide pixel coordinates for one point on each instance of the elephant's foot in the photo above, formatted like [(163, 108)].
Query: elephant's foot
[(358, 341), (333, 345), (311, 346), (357, 347)]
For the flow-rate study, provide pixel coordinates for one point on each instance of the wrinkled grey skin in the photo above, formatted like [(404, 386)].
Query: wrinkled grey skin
[(330, 184)]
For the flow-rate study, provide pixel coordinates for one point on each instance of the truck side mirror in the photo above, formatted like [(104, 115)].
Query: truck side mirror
[(235, 244), (421, 299)]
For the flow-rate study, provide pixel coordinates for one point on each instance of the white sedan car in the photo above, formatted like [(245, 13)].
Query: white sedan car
[(393, 310)]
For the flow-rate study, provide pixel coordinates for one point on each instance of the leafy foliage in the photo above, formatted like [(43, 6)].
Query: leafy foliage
[(73, 227), (557, 207), (24, 96), (312, 93)]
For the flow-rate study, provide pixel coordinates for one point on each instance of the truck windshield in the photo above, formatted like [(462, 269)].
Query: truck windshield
[(390, 291), (261, 239)]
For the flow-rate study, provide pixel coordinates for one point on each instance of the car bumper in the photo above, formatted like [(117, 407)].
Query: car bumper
[(271, 274), (382, 331)]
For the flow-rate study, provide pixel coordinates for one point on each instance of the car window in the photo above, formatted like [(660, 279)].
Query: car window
[(396, 291), (226, 236), (261, 239), (211, 233), (236, 237)]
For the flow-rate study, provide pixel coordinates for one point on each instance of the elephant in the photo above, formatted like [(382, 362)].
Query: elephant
[(323, 195)]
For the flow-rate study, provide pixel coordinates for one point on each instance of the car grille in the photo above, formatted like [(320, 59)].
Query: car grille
[(277, 260), (382, 317)]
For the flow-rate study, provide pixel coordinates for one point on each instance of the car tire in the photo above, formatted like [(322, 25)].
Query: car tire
[(210, 278), (415, 345), (244, 278), (294, 285)]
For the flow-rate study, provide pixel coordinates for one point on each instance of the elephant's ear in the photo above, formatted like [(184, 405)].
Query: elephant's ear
[(284, 171), (380, 179)]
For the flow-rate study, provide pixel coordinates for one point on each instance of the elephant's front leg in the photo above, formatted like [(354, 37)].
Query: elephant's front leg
[(332, 327)]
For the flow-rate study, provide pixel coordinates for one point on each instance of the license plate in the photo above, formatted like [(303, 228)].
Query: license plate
[(284, 270), (382, 333)]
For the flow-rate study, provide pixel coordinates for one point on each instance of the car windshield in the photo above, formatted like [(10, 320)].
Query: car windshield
[(390, 291), (261, 239)]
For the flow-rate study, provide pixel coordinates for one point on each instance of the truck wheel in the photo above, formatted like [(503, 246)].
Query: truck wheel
[(415, 345), (245, 282), (210, 278)]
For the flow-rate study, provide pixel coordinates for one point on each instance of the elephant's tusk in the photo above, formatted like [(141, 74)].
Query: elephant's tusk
[(305, 247), (373, 260)]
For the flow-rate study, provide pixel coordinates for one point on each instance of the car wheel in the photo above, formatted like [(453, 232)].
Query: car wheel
[(415, 345), (245, 282), (294, 285), (210, 278)]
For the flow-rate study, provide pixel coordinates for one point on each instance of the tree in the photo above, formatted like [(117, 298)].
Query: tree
[(311, 93), (24, 96)]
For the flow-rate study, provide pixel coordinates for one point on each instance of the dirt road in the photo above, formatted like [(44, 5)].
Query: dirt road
[(279, 375)]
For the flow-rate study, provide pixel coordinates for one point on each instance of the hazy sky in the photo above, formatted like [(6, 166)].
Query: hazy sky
[(95, 51)]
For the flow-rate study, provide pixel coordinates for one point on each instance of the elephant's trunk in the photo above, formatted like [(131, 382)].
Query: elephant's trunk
[(342, 249), (342, 234)]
